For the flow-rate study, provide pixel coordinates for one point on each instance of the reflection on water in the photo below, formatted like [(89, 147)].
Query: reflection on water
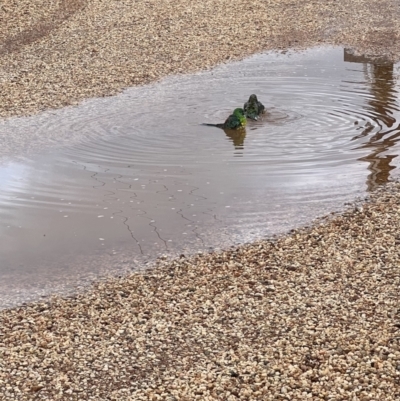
[(128, 178), (237, 137), (381, 106)]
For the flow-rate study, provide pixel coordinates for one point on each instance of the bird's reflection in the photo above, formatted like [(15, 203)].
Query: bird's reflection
[(237, 137), (381, 106)]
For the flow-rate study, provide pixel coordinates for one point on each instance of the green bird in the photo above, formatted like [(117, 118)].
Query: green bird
[(253, 108), (236, 120)]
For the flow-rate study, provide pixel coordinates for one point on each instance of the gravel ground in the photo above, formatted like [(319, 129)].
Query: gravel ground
[(310, 315), (55, 53)]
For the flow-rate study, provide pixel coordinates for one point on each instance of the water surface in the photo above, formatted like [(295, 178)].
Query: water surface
[(115, 182)]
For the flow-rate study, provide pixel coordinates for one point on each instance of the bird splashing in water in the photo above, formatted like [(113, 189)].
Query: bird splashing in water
[(236, 120), (253, 108)]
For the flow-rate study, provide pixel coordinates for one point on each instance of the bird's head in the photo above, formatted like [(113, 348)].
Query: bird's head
[(239, 113), (253, 98)]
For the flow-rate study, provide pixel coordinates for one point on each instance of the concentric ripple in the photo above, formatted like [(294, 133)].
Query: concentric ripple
[(121, 180)]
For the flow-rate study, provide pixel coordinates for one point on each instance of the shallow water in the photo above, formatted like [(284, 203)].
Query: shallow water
[(122, 180)]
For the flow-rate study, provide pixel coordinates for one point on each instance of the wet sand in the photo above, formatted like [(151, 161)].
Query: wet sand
[(56, 54)]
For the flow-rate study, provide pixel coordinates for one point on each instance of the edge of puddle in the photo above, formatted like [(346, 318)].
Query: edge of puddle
[(91, 103)]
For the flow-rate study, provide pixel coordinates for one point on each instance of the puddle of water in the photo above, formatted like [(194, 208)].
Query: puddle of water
[(136, 176)]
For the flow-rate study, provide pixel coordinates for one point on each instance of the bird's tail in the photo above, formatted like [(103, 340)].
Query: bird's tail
[(214, 125)]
